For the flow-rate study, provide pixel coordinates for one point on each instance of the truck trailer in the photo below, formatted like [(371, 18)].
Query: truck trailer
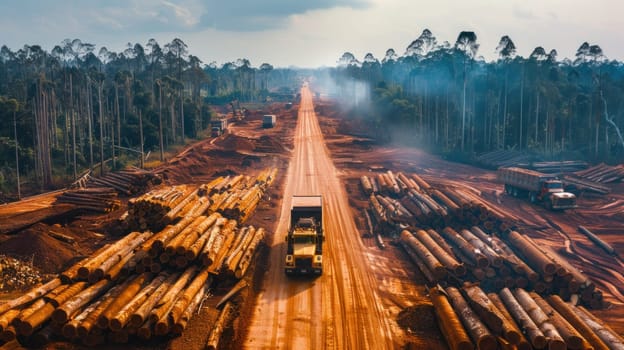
[(304, 241), (537, 187), (218, 127)]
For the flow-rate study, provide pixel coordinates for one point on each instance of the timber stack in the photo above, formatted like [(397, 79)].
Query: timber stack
[(399, 200), (472, 255), (129, 181), (515, 318), (602, 173), (98, 199), (151, 210), (148, 284), (505, 158)]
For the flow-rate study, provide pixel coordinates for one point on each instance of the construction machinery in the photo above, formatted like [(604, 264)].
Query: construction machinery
[(537, 187), (304, 240)]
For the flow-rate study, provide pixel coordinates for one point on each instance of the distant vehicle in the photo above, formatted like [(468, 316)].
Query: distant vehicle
[(304, 241), (268, 121), (537, 187), (218, 127), (288, 105)]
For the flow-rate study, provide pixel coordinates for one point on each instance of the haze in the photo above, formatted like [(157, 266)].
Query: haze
[(313, 33)]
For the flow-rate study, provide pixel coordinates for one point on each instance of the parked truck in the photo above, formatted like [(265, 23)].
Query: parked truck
[(268, 120), (304, 241), (218, 127), (537, 187)]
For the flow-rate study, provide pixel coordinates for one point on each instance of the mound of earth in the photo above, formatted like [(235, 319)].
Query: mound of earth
[(269, 144), (232, 142), (36, 245), (17, 275)]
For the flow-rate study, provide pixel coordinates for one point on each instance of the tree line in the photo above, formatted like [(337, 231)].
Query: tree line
[(445, 97), (73, 109)]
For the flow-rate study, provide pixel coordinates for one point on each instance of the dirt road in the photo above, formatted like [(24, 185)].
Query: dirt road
[(340, 309)]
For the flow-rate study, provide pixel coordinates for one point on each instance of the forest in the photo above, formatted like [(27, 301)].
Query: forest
[(448, 99), (73, 110)]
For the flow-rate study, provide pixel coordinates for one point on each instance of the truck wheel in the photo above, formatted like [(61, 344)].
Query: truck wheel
[(532, 197)]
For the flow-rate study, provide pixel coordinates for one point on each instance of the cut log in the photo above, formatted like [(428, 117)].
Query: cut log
[(567, 311), (71, 306), (432, 263), (534, 256), (242, 267), (511, 330), (188, 294), (530, 329), (70, 329), (178, 327), (570, 335), (166, 302), (141, 314), (7, 318), (613, 340), (483, 306), (121, 318), (555, 342), (97, 260), (450, 324), (446, 259), (475, 255), (219, 326), (124, 297), (31, 295), (477, 330)]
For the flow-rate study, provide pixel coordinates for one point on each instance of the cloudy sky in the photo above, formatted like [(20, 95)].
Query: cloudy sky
[(313, 33)]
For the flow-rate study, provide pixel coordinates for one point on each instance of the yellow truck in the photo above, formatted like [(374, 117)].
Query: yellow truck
[(304, 241)]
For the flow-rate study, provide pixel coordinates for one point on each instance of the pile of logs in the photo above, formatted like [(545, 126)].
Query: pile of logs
[(559, 167), (127, 182), (602, 173), (399, 200), (158, 207), (515, 318), (144, 285), (449, 255), (98, 199), (582, 184), (505, 158)]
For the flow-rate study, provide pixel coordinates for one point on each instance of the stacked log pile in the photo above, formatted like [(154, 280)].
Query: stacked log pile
[(399, 200), (582, 184), (158, 207), (142, 286), (98, 199), (497, 159), (515, 318), (449, 255), (128, 181), (559, 167), (602, 173)]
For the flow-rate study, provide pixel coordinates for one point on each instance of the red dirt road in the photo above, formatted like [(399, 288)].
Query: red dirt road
[(342, 308)]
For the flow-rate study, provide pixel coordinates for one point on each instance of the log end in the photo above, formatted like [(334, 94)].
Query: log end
[(161, 328), (513, 337), (556, 344), (144, 333), (60, 316), (487, 342), (115, 324), (135, 321), (539, 342), (69, 331)]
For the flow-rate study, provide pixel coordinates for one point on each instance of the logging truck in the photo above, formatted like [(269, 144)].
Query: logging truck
[(304, 241), (537, 187)]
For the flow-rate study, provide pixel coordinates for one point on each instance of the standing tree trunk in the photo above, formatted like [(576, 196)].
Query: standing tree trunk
[(17, 173), (160, 122), (101, 128), (141, 136)]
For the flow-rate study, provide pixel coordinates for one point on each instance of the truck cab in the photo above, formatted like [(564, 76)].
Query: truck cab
[(554, 196), (304, 240)]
